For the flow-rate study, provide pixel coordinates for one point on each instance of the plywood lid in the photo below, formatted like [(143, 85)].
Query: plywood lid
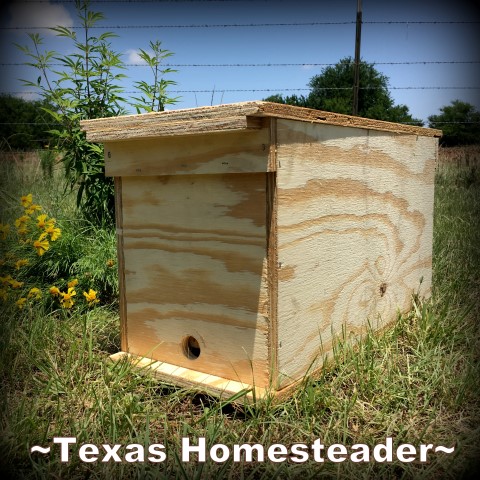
[(228, 117)]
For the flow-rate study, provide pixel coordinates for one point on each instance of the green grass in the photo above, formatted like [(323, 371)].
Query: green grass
[(418, 382)]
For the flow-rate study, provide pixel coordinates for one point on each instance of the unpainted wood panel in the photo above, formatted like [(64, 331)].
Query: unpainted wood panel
[(188, 377), (233, 152), (195, 265), (355, 224), (235, 116)]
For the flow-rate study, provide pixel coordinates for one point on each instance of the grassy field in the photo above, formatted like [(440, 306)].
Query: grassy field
[(418, 382)]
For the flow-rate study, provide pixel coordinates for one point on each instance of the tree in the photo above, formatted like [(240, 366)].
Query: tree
[(88, 86), (300, 101), (460, 123), (23, 124), (332, 90)]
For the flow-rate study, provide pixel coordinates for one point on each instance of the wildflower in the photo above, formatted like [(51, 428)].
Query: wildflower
[(4, 231), (72, 283), (21, 302), (41, 245), (3, 294), (110, 263), (54, 232), (42, 219), (32, 209), (54, 291), (20, 222), (26, 200), (35, 293), (67, 300), (6, 280), (15, 283), (91, 297), (23, 230), (20, 263)]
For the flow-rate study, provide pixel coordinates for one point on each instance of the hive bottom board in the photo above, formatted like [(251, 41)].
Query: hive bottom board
[(220, 387)]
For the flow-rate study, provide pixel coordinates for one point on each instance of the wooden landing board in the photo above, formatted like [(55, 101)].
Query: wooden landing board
[(194, 250), (354, 234), (187, 377)]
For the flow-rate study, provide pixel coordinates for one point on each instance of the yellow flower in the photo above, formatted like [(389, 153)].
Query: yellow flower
[(91, 297), (110, 263), (35, 293), (23, 231), (6, 280), (67, 300), (15, 283), (54, 291), (32, 209), (4, 231), (26, 200), (21, 302), (20, 222), (41, 220), (72, 283), (41, 245), (20, 263), (54, 232), (3, 294)]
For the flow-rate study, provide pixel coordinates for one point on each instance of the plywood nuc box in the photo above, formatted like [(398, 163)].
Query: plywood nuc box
[(252, 235)]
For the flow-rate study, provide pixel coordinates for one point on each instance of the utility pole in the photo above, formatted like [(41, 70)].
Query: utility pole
[(356, 81)]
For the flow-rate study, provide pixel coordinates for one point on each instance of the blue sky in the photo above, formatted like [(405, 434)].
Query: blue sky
[(142, 21)]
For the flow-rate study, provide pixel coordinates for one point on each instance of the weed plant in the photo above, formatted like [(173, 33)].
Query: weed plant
[(46, 245), (417, 382)]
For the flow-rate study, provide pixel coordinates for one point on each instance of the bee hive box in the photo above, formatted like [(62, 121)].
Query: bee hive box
[(252, 235)]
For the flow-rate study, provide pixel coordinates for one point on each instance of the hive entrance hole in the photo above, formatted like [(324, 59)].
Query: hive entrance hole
[(191, 347)]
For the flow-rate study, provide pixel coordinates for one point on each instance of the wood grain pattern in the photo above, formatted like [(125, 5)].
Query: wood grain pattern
[(229, 117), (148, 125), (188, 377), (232, 152), (263, 232), (195, 265), (355, 220)]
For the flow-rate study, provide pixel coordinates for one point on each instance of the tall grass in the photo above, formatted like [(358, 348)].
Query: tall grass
[(417, 382)]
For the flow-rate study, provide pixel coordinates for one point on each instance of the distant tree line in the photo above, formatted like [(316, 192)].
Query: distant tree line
[(460, 123), (24, 124)]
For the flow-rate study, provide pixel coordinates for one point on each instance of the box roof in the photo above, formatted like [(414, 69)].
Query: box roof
[(228, 117)]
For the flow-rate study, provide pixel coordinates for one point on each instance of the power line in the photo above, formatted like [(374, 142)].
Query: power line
[(195, 25), (243, 25), (306, 64), (209, 90)]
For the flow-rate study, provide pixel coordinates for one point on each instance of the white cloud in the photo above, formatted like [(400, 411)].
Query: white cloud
[(307, 66), (48, 15), (27, 95), (133, 56)]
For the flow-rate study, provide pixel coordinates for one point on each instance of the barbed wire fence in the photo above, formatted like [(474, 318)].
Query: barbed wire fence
[(250, 65)]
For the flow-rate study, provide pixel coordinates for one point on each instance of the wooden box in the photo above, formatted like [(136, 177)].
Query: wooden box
[(252, 235)]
